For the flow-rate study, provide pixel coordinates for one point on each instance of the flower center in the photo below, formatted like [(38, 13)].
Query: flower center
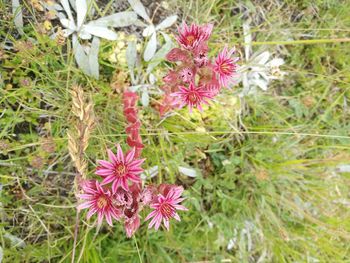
[(120, 169), (102, 202), (227, 67), (192, 97), (167, 210), (190, 39)]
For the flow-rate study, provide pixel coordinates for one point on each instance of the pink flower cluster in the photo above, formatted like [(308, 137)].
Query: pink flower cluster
[(120, 195), (133, 129), (196, 79)]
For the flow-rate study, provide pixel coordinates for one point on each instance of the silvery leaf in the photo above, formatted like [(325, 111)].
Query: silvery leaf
[(131, 54), (15, 241), (121, 19), (66, 7), (262, 58), (231, 244), (100, 31), (139, 9), (188, 171), (148, 31), (151, 172), (69, 24), (344, 168), (245, 82), (18, 16), (152, 79), (83, 34), (67, 32), (167, 22), (60, 15), (261, 83), (145, 98), (81, 8), (56, 7), (80, 57), (247, 40), (139, 23), (135, 88), (159, 56), (150, 48), (1, 254), (264, 76), (73, 4), (276, 62), (93, 57)]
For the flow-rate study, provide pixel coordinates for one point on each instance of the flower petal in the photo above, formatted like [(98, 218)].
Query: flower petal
[(130, 156), (120, 154), (104, 172), (109, 218), (84, 205), (106, 164), (177, 217), (150, 215), (108, 179), (112, 156), (166, 223)]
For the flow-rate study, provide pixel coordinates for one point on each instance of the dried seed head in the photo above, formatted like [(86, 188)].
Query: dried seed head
[(60, 38), (78, 136)]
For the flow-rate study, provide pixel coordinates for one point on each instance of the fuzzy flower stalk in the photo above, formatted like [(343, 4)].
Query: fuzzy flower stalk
[(196, 78), (119, 195)]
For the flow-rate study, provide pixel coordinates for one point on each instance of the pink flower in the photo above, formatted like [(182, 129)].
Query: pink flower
[(177, 54), (130, 114), (165, 207), (201, 55), (123, 198), (130, 98), (167, 103), (100, 201), (187, 75), (192, 96), (135, 126), (190, 37), (131, 213), (131, 225), (134, 140), (208, 80), (225, 66), (148, 194), (120, 169)]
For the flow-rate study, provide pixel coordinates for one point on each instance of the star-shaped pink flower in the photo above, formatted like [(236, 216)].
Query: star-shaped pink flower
[(120, 169)]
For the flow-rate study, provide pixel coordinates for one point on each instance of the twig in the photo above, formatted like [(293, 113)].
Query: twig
[(137, 248), (75, 235)]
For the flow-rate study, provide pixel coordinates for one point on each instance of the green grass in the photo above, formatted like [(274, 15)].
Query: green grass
[(267, 163)]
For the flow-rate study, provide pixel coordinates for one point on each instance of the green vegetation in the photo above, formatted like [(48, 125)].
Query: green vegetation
[(271, 185)]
